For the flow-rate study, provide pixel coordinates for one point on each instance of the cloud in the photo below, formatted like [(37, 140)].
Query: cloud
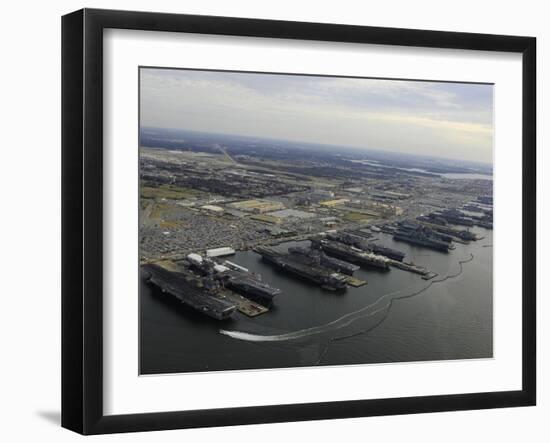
[(440, 119)]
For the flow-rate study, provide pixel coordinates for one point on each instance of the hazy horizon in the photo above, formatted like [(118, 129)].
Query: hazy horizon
[(436, 119), (355, 149)]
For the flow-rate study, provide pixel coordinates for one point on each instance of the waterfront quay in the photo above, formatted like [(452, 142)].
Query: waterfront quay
[(190, 223)]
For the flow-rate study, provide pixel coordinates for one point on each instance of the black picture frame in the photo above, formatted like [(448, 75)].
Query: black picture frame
[(82, 215)]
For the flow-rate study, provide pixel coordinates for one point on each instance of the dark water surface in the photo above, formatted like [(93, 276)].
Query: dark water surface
[(308, 326)]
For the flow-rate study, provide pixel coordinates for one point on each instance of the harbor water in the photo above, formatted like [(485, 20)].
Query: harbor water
[(396, 317)]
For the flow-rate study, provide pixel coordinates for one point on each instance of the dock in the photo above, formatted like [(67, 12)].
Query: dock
[(356, 282), (411, 267), (244, 305)]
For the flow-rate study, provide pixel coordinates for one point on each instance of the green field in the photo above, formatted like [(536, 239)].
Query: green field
[(356, 216), (167, 191)]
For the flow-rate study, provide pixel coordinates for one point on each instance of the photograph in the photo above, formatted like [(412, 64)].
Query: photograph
[(292, 220)]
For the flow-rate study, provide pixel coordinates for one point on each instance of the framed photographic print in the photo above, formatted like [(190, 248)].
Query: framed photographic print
[(270, 221)]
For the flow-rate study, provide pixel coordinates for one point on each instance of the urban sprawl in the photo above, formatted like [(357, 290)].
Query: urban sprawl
[(199, 206)]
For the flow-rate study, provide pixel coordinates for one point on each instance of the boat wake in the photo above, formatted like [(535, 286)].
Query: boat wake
[(381, 304)]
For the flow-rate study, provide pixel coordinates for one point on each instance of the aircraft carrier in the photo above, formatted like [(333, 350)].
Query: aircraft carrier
[(235, 278), (250, 285), (199, 298), (485, 224), (433, 219), (346, 238), (292, 263), (394, 254), (359, 233), (322, 259), (361, 240), (484, 219), (476, 208), (351, 254), (461, 234), (417, 234), (455, 217)]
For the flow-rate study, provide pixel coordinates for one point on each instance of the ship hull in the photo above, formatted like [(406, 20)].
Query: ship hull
[(349, 256), (198, 299), (420, 242), (281, 262), (263, 297), (387, 252)]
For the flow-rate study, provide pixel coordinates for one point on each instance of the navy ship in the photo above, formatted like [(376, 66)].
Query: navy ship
[(322, 259), (250, 285), (461, 234), (420, 235), (394, 254), (485, 199), (439, 235), (387, 229), (346, 238), (351, 254), (472, 208), (188, 293), (351, 238), (359, 233), (315, 273), (485, 220), (236, 278), (433, 219), (455, 217), (485, 224)]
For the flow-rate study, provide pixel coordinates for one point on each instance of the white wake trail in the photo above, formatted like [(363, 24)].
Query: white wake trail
[(340, 322), (344, 320)]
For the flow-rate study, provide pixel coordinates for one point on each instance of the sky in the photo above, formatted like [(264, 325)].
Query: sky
[(449, 120)]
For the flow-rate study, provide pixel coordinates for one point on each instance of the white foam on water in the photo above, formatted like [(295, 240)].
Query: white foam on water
[(344, 320), (340, 322)]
